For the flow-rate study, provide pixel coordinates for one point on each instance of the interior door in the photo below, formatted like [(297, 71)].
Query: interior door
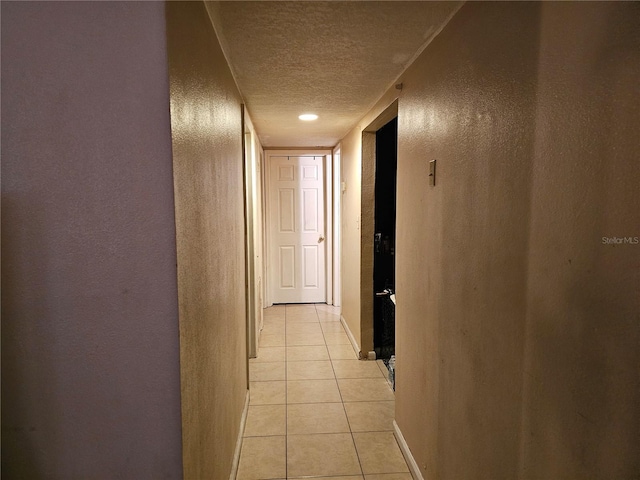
[(297, 247)]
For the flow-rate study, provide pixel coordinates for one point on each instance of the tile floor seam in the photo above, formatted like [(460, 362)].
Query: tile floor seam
[(348, 421), (304, 361), (355, 447), (286, 401)]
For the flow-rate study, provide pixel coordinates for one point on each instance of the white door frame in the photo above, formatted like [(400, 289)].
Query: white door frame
[(328, 222), (267, 208), (254, 253), (337, 197), (252, 334)]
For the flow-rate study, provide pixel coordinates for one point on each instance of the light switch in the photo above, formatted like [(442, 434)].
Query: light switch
[(432, 173)]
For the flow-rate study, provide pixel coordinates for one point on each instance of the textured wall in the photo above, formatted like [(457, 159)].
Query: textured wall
[(517, 329), (581, 410), (207, 154), (350, 231), (461, 271), (522, 322), (90, 351)]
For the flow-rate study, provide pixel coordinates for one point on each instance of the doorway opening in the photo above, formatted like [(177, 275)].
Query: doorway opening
[(377, 235), (384, 243)]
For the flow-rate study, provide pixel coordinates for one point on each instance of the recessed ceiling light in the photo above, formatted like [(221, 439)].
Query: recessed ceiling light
[(308, 117)]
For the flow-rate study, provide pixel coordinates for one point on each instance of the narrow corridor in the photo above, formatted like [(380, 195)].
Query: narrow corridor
[(315, 409)]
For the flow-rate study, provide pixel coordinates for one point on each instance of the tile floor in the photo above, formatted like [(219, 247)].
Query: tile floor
[(315, 410)]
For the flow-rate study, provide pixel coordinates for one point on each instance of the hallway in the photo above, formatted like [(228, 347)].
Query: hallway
[(316, 410), (137, 144)]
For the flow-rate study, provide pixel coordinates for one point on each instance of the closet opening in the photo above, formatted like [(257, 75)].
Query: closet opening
[(384, 243)]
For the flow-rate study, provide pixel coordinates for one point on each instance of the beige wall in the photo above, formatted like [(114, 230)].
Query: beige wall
[(350, 231), (517, 329), (207, 157), (469, 103), (581, 388)]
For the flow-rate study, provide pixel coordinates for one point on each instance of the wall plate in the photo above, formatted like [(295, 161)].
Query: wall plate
[(432, 173)]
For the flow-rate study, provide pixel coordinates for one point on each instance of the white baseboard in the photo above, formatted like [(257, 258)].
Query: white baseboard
[(236, 454), (408, 456), (352, 339)]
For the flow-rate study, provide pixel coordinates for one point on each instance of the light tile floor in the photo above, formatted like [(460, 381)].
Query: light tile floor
[(315, 410)]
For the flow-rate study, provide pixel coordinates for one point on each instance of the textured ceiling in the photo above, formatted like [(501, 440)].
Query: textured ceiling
[(333, 58)]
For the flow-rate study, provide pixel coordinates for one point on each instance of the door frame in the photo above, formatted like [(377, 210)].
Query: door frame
[(254, 253), (337, 215), (266, 172), (367, 223)]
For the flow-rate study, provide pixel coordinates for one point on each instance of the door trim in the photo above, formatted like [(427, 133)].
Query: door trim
[(328, 227), (253, 226), (367, 223), (268, 153), (337, 215)]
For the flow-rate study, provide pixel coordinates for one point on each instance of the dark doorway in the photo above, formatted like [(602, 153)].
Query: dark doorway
[(384, 265)]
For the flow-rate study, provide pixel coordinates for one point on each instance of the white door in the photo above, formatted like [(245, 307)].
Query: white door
[(296, 218)]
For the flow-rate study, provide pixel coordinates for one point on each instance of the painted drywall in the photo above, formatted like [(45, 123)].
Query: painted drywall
[(461, 271), (90, 350), (350, 231), (206, 124), (581, 398), (516, 326)]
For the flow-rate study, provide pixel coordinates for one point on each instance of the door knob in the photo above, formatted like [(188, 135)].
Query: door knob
[(321, 239)]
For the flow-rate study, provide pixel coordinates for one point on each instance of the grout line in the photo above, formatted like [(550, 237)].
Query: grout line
[(286, 401), (353, 440)]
